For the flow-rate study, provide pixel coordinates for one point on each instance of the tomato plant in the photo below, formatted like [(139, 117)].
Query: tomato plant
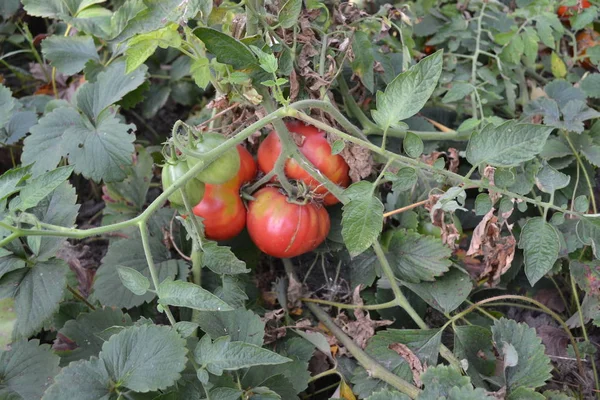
[(282, 228), (317, 150), (194, 189)]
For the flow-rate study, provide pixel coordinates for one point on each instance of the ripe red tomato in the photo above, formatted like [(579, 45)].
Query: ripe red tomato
[(283, 229), (566, 12), (585, 40), (318, 151), (221, 207)]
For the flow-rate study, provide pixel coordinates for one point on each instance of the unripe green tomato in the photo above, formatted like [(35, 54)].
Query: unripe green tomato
[(194, 189), (223, 168), (427, 228)]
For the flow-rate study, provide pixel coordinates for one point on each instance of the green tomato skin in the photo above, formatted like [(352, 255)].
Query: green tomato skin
[(223, 168), (194, 189), (427, 228)]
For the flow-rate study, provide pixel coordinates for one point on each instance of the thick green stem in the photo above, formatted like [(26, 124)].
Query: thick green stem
[(374, 369)]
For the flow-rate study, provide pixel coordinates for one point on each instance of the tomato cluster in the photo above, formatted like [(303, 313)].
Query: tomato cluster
[(586, 38), (279, 225)]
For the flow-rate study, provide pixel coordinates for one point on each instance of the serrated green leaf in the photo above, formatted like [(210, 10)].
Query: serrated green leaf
[(533, 368), (10, 262), (413, 145), (27, 369), (458, 91), (387, 395), (7, 103), (240, 325), (221, 260), (404, 179), (187, 294), (556, 395), (540, 243), (514, 50), (200, 71), (87, 332), (408, 92), (474, 344), (549, 180), (506, 145), (186, 328), (59, 209), (108, 288), (145, 358), (446, 293), (227, 49), (18, 126), (69, 54), (364, 60), (289, 13), (439, 381), (83, 380), (37, 291), (416, 258), (10, 180), (225, 355), (142, 46), (133, 280), (362, 218), (225, 393), (337, 147), (592, 153), (591, 85), (318, 340), (585, 17), (110, 86), (38, 188)]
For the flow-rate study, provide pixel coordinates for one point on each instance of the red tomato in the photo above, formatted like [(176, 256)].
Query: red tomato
[(585, 40), (221, 207), (566, 12), (283, 229), (318, 151)]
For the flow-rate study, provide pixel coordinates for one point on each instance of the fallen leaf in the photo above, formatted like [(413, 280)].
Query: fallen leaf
[(413, 361)]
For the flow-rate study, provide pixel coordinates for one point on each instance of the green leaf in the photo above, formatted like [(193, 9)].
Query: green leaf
[(408, 92), (582, 204), (506, 145), (225, 393), (413, 145), (337, 147), (60, 209), (514, 50), (592, 153), (289, 13), (18, 126), (145, 358), (109, 289), (187, 294), (387, 395), (7, 104), (458, 91), (483, 204), (133, 280), (221, 260), (587, 275), (141, 358), (69, 54), (446, 293), (82, 380), (540, 243), (240, 325), (141, 47), (26, 370), (583, 18), (200, 71), (8, 319), (364, 60), (37, 291), (362, 218), (591, 85), (416, 258), (10, 180), (533, 368), (549, 180), (100, 152), (474, 344), (227, 49), (225, 355), (588, 232), (110, 86), (89, 332), (10, 262), (186, 328), (404, 179), (38, 188)]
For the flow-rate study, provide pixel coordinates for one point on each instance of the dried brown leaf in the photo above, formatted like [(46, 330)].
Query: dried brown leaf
[(413, 361)]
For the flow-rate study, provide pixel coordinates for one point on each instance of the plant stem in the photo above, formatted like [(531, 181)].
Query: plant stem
[(374, 369), (381, 306), (79, 297), (585, 173), (405, 208)]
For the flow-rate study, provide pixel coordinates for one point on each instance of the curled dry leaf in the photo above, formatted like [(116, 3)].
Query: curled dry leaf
[(413, 361), (496, 251), (359, 159), (363, 328), (453, 160), (488, 173), (450, 234), (82, 263)]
